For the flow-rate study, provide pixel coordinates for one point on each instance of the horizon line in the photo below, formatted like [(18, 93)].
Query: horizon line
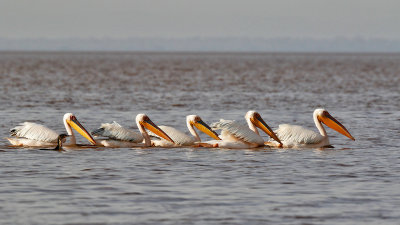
[(210, 37)]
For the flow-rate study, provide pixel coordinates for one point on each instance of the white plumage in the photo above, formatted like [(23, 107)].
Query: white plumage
[(236, 135), (180, 138), (118, 136), (239, 131), (117, 132), (293, 135), (35, 131), (33, 134)]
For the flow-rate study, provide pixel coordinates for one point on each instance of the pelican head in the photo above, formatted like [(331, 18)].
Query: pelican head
[(255, 118), (323, 116), (195, 120), (70, 120), (144, 121)]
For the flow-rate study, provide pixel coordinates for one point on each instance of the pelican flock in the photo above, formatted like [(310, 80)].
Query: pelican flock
[(233, 134)]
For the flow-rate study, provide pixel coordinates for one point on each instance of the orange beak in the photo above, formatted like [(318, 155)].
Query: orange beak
[(260, 123), (331, 122)]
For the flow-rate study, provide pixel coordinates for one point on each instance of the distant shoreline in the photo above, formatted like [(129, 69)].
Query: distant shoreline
[(228, 45), (188, 52)]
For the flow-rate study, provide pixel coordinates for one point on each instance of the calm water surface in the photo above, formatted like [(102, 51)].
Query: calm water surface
[(353, 183)]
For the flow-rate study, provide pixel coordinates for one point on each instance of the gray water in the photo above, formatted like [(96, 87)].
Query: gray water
[(353, 183)]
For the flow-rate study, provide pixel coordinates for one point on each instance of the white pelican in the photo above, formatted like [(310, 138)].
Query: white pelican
[(293, 136), (236, 135), (182, 139), (120, 137), (36, 135)]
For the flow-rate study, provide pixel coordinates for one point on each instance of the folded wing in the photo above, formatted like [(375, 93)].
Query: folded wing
[(239, 131), (297, 134), (177, 136), (34, 131), (117, 132)]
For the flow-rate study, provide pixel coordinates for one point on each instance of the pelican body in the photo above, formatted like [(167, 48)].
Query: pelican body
[(182, 139), (29, 134), (236, 135), (293, 136), (116, 136)]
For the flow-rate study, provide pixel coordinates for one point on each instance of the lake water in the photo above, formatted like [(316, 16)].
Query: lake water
[(353, 183)]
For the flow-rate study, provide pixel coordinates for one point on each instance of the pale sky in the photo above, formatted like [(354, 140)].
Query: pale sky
[(201, 18)]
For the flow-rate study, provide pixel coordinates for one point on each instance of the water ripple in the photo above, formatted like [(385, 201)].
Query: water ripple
[(352, 183)]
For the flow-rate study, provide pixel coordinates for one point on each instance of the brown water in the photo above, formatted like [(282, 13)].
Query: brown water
[(353, 183)]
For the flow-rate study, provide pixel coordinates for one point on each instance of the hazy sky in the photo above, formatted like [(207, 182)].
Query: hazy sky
[(201, 18)]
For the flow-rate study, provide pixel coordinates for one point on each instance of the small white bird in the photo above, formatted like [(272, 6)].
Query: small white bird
[(236, 135), (117, 136), (293, 136), (36, 135), (182, 139)]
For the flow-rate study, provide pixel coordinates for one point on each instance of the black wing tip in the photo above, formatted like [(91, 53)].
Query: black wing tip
[(13, 132), (98, 132)]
